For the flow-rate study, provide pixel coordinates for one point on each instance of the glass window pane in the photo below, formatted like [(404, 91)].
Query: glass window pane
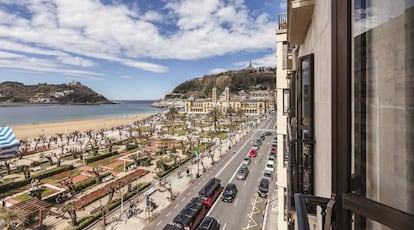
[(286, 100), (306, 92), (383, 102)]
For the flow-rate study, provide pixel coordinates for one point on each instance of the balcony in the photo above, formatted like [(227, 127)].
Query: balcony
[(282, 23), (299, 17)]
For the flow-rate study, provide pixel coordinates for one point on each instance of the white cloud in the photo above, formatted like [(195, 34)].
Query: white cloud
[(217, 70), (89, 29), (78, 61), (125, 77)]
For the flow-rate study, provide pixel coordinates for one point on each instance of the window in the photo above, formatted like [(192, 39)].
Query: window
[(300, 130), (382, 160), (285, 55), (285, 151), (286, 101)]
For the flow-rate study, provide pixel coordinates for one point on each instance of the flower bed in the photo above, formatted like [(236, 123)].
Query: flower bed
[(95, 195), (65, 175)]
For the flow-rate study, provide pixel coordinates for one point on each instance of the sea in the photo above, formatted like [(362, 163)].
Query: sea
[(23, 114)]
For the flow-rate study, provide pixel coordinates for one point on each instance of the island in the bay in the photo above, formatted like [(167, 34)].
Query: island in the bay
[(70, 93)]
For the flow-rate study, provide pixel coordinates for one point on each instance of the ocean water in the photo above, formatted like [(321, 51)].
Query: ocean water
[(41, 113)]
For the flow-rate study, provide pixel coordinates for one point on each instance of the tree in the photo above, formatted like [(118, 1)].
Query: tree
[(110, 190), (229, 115), (109, 144), (214, 116), (71, 210), (48, 157), (172, 115), (69, 183), (26, 172), (96, 172)]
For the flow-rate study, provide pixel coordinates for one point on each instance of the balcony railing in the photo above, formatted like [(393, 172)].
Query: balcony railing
[(302, 203), (282, 19)]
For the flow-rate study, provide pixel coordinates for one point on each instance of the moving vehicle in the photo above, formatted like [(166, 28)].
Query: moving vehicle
[(252, 153), (246, 160), (209, 223), (242, 173), (263, 187), (229, 193)]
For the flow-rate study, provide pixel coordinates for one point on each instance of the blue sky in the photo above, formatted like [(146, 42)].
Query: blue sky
[(133, 49)]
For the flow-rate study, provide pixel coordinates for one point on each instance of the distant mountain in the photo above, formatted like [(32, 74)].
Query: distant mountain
[(236, 80), (70, 93)]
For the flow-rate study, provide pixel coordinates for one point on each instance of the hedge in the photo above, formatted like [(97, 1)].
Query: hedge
[(88, 182), (100, 157), (86, 221), (42, 175), (52, 171)]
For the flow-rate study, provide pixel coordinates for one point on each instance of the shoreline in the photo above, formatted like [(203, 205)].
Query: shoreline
[(48, 129)]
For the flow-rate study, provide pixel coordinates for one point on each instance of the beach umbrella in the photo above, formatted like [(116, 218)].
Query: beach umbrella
[(9, 145)]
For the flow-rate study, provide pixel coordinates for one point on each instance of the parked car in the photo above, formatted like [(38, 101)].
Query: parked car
[(270, 166), (273, 150), (242, 173), (268, 175), (229, 193), (246, 160), (263, 187), (209, 223), (268, 133), (272, 157), (253, 152)]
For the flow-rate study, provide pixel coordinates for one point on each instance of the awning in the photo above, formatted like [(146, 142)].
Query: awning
[(9, 145)]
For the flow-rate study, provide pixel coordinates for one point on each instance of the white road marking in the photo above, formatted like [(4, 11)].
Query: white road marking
[(159, 223), (175, 207), (225, 224), (235, 203), (168, 213)]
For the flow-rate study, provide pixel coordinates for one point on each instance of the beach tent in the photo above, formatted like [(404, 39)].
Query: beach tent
[(9, 145)]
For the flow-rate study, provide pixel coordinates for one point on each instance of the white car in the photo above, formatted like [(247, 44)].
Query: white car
[(246, 160), (270, 166)]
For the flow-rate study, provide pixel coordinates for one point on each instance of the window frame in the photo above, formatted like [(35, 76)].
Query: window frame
[(347, 202)]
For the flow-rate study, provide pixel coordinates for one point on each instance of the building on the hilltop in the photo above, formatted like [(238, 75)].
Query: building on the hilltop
[(250, 67), (345, 115), (224, 101)]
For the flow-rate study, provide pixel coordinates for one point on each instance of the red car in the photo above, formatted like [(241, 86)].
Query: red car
[(252, 153), (274, 150)]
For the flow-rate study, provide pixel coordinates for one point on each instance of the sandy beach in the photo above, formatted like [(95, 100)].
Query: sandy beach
[(48, 129)]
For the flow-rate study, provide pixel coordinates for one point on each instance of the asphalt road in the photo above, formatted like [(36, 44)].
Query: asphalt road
[(247, 210)]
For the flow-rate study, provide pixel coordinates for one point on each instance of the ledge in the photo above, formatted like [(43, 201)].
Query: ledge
[(299, 17)]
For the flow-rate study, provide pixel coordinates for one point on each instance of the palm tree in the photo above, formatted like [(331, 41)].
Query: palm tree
[(11, 217), (172, 115)]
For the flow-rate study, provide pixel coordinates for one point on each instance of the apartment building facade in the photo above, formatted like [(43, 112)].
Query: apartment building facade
[(350, 123)]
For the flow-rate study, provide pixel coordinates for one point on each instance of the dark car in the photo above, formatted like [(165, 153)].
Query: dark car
[(263, 187), (209, 223), (229, 193), (268, 133)]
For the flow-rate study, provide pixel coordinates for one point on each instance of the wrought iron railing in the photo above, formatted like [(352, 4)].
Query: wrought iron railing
[(282, 20)]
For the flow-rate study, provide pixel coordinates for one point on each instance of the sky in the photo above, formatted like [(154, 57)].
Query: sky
[(133, 49)]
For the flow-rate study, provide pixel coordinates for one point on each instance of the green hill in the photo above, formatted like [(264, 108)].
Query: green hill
[(246, 80), (71, 93)]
